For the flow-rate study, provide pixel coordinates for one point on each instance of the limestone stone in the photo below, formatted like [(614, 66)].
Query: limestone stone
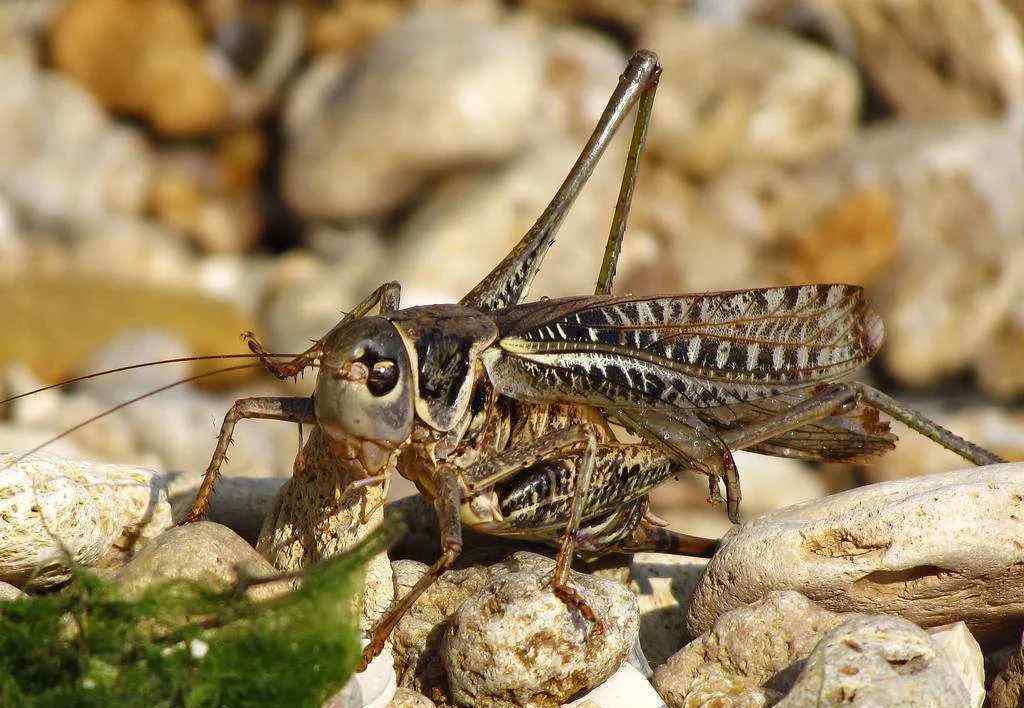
[(748, 654), (470, 86), (627, 686), (1008, 686), (934, 549), (515, 643), (877, 660), (964, 656), (51, 506), (204, 552), (662, 584)]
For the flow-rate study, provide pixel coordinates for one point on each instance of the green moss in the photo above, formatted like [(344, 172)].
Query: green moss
[(183, 644)]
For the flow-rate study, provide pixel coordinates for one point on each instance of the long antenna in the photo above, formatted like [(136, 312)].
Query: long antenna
[(177, 360), (119, 406)]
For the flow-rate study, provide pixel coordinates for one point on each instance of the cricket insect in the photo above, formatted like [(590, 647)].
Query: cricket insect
[(500, 411)]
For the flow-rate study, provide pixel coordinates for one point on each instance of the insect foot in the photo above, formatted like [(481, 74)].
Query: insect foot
[(516, 643)]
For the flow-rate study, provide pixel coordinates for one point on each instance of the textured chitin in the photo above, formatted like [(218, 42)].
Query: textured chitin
[(692, 351)]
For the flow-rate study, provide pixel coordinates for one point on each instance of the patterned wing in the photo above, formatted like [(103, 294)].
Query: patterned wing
[(706, 353)]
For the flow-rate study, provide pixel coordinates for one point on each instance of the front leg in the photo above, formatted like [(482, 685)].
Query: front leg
[(292, 409), (447, 506)]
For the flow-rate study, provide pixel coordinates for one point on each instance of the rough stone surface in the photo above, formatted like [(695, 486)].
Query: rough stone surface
[(741, 93), (417, 638), (747, 655), (964, 656), (473, 86), (662, 584), (97, 512), (1008, 686), (203, 551), (934, 549), (516, 644), (305, 523), (873, 661)]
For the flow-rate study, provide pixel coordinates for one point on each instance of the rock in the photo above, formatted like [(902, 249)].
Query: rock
[(348, 697), (746, 94), (147, 59), (240, 503), (417, 638), (482, 215), (930, 60), (407, 698), (305, 523), (627, 15), (62, 161), (93, 511), (205, 552), (1008, 686), (8, 592), (627, 686), (876, 660), (473, 87), (516, 643), (662, 584), (863, 550), (965, 658), (994, 367), (748, 654)]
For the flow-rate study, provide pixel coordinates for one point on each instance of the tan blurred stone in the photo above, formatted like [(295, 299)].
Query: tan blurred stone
[(145, 58), (750, 94)]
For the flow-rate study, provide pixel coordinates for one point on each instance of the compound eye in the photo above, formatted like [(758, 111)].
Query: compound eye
[(383, 377)]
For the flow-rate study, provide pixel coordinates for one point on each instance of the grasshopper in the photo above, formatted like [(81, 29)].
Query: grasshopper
[(500, 411)]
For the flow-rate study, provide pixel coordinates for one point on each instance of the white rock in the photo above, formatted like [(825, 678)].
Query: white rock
[(964, 656), (61, 159), (378, 682), (516, 643), (934, 549), (439, 89), (749, 654), (49, 502), (627, 686), (742, 93), (873, 661)]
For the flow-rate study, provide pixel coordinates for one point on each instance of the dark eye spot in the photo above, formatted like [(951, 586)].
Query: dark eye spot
[(383, 377)]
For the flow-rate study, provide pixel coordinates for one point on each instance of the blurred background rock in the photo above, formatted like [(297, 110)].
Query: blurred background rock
[(173, 172)]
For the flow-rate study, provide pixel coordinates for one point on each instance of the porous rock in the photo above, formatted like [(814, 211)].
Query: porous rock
[(1008, 686), (877, 660), (748, 653), (205, 552), (742, 93), (8, 592), (51, 506), (515, 643), (307, 524), (473, 86), (934, 549)]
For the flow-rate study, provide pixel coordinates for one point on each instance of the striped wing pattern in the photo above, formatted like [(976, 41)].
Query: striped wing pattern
[(727, 358)]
